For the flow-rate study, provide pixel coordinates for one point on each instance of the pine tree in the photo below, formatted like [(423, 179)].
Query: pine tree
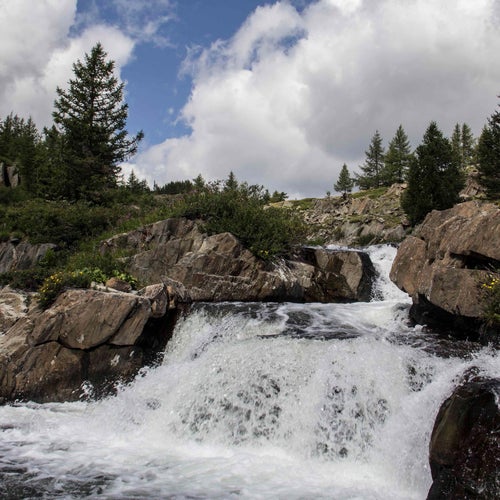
[(488, 153), (344, 183), (434, 177), (92, 115), (397, 158), (462, 143), (373, 165), (468, 146), (231, 183)]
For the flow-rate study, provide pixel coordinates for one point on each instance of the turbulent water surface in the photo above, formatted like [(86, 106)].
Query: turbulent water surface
[(291, 401)]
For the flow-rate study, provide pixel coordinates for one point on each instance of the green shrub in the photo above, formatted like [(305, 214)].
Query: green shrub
[(265, 231), (491, 291), (54, 284)]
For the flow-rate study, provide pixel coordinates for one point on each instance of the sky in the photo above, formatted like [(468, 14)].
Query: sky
[(281, 93)]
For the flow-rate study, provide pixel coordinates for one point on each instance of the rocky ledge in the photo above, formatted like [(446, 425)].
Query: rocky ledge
[(86, 342), (443, 265), (219, 268)]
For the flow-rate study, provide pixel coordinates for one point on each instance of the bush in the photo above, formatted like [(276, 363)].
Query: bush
[(54, 284), (265, 231), (57, 282), (491, 290)]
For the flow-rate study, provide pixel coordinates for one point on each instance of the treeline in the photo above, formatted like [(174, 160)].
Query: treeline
[(435, 170)]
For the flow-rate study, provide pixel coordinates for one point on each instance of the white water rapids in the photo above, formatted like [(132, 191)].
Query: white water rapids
[(253, 401)]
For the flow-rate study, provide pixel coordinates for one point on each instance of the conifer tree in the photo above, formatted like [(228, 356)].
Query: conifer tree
[(488, 154), (434, 177), (344, 183), (462, 143), (397, 158), (373, 165), (92, 115)]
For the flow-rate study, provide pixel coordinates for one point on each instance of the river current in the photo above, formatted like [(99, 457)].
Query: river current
[(254, 401)]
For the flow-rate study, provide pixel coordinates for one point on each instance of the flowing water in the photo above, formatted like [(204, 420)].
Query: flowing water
[(271, 401)]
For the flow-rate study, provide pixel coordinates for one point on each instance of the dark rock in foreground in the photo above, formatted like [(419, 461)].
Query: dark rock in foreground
[(464, 450)]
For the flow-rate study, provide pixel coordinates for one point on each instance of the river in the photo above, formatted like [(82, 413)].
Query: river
[(254, 401)]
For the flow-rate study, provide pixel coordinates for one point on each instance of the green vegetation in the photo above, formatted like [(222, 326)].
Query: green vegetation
[(397, 159), (491, 290), (488, 153), (54, 284), (463, 145), (242, 210), (434, 177), (91, 117), (344, 183), (373, 166)]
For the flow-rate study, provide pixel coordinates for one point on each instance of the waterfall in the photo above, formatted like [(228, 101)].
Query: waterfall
[(292, 401)]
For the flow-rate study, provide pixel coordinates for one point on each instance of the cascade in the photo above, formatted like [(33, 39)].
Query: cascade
[(253, 400)]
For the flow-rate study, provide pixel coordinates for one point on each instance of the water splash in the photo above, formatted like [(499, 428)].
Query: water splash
[(252, 401)]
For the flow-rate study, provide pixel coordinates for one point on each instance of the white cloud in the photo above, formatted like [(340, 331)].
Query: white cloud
[(292, 96), (38, 53)]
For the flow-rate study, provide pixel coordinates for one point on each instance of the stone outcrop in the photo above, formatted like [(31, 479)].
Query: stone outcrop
[(443, 264), (464, 451), (220, 268), (9, 175), (87, 337), (15, 255), (357, 219)]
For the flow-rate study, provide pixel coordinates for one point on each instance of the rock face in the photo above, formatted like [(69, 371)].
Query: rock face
[(358, 220), (9, 175), (219, 268), (87, 336), (464, 450), (14, 255), (443, 265)]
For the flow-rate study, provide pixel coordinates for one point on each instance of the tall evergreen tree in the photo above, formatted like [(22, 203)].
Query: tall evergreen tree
[(434, 178), (373, 165), (488, 155), (92, 115), (397, 158), (344, 183), (462, 143)]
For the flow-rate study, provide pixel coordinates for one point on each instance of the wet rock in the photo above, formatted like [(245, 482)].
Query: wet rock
[(464, 451), (443, 265), (86, 337)]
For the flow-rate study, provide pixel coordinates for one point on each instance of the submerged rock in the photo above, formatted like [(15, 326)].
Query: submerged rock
[(464, 451)]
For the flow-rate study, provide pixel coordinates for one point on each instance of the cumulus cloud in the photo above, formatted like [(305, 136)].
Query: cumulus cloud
[(295, 94), (41, 40)]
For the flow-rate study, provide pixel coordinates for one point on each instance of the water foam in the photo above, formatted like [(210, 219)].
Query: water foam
[(252, 401)]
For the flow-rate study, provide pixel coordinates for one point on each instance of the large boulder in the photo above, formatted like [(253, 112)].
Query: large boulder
[(220, 268), (464, 451), (87, 338), (443, 264)]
